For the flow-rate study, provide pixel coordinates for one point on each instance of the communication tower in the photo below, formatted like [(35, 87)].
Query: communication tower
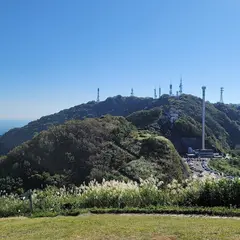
[(170, 90), (155, 93), (98, 97), (159, 92), (203, 116), (221, 94), (132, 92), (180, 87)]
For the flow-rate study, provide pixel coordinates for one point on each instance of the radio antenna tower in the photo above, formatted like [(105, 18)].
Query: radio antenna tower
[(221, 94), (180, 87), (155, 93), (177, 94), (159, 92), (170, 90), (132, 92), (203, 116), (98, 97)]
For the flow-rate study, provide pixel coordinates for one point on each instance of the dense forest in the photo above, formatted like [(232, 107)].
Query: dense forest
[(82, 150), (178, 119)]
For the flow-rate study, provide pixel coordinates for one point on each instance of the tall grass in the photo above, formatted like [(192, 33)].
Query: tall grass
[(116, 194)]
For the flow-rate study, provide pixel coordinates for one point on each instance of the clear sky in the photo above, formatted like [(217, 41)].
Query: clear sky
[(54, 54)]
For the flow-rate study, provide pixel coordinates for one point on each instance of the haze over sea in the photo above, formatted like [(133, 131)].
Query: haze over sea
[(7, 124)]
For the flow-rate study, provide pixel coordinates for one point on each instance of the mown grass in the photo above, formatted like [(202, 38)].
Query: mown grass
[(89, 227)]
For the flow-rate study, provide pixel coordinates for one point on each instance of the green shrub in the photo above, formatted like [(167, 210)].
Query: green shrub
[(227, 166), (149, 194), (12, 205)]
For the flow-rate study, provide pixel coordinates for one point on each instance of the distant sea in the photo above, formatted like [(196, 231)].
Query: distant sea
[(6, 125)]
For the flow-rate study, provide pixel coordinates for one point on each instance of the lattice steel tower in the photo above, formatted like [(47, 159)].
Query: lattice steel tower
[(132, 92), (221, 94), (180, 87), (155, 93), (159, 92), (170, 90)]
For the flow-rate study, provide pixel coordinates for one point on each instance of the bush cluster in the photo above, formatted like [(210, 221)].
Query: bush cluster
[(121, 195), (227, 166)]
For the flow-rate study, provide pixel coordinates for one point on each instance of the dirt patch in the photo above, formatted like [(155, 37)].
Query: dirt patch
[(158, 237), (154, 237), (176, 215)]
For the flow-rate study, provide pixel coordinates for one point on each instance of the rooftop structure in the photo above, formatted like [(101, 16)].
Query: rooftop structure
[(200, 153), (205, 153)]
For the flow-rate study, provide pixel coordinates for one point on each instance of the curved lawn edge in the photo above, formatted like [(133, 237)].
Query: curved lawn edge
[(188, 211), (178, 210)]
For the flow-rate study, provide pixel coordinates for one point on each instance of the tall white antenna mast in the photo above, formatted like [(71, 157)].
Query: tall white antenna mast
[(221, 94), (203, 116)]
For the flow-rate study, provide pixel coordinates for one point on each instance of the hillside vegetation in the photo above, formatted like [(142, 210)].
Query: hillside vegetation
[(179, 119), (220, 197), (115, 106), (78, 151), (222, 120), (227, 166)]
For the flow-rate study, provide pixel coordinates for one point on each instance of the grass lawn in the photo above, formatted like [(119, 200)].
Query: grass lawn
[(114, 227)]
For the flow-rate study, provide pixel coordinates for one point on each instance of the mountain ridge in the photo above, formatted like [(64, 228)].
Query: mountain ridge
[(90, 109), (94, 148), (227, 115)]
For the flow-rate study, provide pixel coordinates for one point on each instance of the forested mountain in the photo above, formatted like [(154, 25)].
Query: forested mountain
[(78, 151), (116, 106), (178, 119)]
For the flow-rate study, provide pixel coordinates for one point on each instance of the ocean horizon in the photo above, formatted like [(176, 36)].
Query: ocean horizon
[(7, 124)]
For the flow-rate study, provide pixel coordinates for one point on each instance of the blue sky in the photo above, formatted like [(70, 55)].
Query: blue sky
[(54, 54)]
